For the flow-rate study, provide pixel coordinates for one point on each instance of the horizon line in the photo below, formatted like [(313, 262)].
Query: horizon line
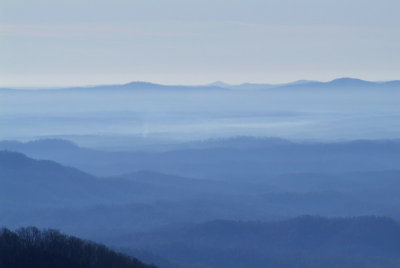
[(213, 83)]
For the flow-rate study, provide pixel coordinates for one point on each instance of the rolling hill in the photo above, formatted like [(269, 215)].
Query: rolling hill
[(31, 247)]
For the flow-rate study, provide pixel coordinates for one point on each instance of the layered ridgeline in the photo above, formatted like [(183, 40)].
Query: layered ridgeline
[(304, 242), (219, 203), (240, 157), (253, 181), (340, 109), (31, 247), (338, 83)]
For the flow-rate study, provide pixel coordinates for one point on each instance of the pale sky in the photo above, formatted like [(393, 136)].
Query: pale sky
[(81, 42)]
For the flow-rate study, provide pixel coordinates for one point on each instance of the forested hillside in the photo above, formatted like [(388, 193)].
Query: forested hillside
[(30, 247)]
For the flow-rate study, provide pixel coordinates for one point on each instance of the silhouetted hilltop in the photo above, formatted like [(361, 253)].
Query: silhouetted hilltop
[(30, 247)]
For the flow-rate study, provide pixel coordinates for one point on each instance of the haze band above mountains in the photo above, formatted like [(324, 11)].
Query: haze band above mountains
[(218, 85)]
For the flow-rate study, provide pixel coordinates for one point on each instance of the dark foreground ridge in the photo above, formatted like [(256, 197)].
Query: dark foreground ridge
[(30, 247)]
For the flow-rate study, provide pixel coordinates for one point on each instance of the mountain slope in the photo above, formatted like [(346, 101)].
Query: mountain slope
[(30, 247), (300, 242), (27, 183), (243, 157), (141, 86), (132, 86), (339, 83), (343, 83)]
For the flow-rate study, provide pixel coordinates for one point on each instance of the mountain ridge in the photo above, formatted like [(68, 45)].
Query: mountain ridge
[(220, 85)]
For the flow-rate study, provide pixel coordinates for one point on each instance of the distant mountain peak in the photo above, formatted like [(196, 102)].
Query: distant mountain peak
[(348, 80)]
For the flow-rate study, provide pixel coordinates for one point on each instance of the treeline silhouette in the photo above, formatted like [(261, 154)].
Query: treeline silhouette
[(31, 247)]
